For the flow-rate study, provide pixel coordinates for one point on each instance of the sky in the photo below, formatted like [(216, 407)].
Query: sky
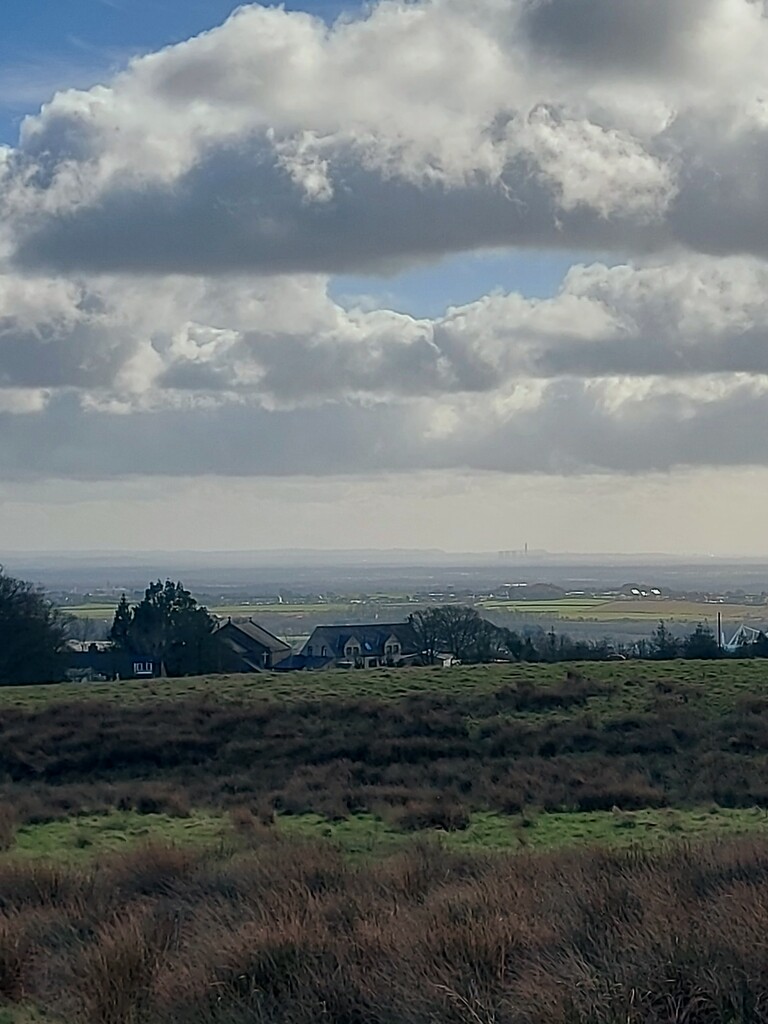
[(420, 273)]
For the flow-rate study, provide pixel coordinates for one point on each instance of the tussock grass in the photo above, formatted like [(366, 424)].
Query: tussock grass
[(291, 932), (8, 825)]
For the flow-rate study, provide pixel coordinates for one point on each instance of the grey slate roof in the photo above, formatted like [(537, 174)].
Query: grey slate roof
[(255, 633), (371, 636)]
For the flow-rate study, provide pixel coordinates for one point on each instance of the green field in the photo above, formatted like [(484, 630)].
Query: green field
[(590, 609), (339, 609)]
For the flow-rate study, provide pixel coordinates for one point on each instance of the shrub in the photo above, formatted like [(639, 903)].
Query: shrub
[(438, 813)]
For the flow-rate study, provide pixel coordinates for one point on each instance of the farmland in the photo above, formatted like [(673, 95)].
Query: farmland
[(631, 609), (628, 618)]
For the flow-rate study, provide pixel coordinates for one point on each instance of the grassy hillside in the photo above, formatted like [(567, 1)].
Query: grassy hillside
[(412, 750), (389, 848), (710, 686)]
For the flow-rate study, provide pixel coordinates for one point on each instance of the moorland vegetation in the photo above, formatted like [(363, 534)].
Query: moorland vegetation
[(260, 931)]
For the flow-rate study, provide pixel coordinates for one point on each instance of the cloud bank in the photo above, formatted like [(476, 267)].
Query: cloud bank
[(167, 241)]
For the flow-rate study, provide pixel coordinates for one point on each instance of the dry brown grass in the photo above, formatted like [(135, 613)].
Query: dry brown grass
[(503, 750), (8, 825), (292, 933), (15, 956)]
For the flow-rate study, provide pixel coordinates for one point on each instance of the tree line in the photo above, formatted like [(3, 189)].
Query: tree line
[(170, 627), (460, 630), (167, 625)]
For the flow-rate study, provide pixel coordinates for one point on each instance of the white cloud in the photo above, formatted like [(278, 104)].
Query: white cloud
[(627, 368), (277, 144), (284, 342)]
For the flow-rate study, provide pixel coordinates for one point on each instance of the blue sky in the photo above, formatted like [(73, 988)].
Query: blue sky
[(456, 280), (47, 45), (50, 44)]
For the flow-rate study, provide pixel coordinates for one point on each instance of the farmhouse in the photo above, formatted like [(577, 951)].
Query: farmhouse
[(91, 662), (360, 645), (248, 647)]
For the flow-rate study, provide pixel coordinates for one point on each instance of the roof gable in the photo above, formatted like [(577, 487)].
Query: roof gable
[(251, 633), (371, 637)]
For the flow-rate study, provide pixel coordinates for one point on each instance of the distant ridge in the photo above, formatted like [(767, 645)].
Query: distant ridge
[(333, 557)]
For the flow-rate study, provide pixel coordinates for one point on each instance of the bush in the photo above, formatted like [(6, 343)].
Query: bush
[(438, 813), (116, 971)]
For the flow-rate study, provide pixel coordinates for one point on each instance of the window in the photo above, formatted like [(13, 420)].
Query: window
[(143, 668), (309, 650), (324, 651)]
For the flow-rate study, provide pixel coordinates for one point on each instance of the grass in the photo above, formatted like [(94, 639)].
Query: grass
[(352, 905), (292, 932), (489, 831), (103, 611), (80, 839), (24, 1015), (711, 687), (83, 837), (422, 747)]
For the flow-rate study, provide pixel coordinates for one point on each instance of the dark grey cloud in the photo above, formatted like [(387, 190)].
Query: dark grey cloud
[(50, 356), (624, 36), (573, 429), (231, 440), (239, 211), (720, 208)]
